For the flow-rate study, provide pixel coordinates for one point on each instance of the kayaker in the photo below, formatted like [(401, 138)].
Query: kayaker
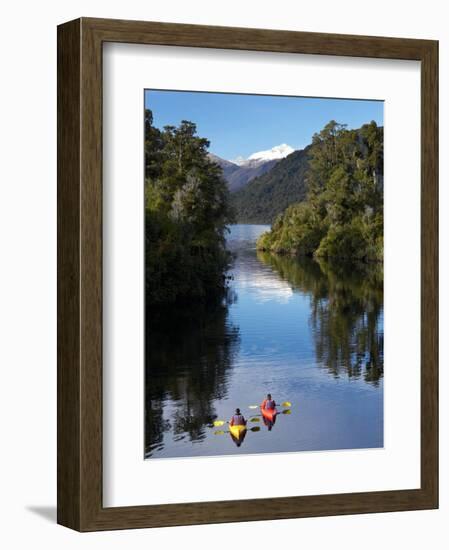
[(237, 419), (268, 403)]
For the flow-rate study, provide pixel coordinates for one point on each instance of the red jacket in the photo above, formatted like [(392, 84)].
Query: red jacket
[(264, 403)]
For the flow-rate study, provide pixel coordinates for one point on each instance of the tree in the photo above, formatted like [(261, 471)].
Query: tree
[(342, 215), (153, 147), (187, 210)]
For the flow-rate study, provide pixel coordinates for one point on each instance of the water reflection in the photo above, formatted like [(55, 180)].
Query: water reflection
[(238, 440), (269, 423), (346, 311), (308, 332), (188, 355), (252, 277)]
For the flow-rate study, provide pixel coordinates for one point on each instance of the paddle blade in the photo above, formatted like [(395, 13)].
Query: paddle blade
[(218, 423), (255, 429), (287, 411), (253, 407), (219, 432), (286, 404), (255, 419)]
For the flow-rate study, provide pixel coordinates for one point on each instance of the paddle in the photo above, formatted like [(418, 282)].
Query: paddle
[(222, 432), (255, 418), (283, 404), (218, 423)]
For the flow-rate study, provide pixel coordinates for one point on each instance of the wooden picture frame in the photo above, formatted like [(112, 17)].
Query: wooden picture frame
[(80, 504)]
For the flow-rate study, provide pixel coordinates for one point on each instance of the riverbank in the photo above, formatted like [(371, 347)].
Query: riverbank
[(341, 245)]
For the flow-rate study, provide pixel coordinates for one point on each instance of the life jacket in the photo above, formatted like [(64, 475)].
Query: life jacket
[(268, 404), (238, 420)]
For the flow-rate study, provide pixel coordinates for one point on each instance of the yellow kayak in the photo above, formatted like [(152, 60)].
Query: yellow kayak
[(237, 431)]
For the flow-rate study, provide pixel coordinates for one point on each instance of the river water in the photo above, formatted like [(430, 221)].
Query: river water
[(308, 333)]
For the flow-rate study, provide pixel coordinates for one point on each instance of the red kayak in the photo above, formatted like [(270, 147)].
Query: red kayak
[(269, 414)]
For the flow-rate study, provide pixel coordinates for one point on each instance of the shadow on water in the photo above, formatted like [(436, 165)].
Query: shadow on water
[(346, 311), (238, 440), (189, 354), (298, 326)]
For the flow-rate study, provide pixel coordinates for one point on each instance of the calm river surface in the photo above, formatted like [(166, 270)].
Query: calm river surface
[(307, 332)]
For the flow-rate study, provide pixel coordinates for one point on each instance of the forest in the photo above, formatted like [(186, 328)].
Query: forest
[(187, 209), (232, 313), (336, 184), (268, 195), (342, 213)]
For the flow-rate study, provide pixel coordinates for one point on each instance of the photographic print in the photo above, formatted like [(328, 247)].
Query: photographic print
[(263, 274)]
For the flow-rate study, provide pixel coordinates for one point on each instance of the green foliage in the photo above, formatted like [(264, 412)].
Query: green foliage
[(267, 196), (346, 301), (189, 354), (342, 215), (186, 213), (153, 147), (297, 231)]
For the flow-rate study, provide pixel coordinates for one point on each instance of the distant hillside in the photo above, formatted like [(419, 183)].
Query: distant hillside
[(245, 174), (237, 176), (227, 166), (268, 195), (342, 214)]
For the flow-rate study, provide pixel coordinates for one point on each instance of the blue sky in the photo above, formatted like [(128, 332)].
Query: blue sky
[(239, 125)]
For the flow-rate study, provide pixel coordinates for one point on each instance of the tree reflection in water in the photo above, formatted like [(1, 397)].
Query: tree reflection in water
[(346, 305), (189, 353)]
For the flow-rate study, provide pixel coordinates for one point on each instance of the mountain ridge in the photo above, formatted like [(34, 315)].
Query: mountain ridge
[(275, 153), (266, 196), (237, 176)]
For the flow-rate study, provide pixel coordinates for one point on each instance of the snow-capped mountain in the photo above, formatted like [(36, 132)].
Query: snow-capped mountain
[(238, 176), (240, 171), (276, 153)]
